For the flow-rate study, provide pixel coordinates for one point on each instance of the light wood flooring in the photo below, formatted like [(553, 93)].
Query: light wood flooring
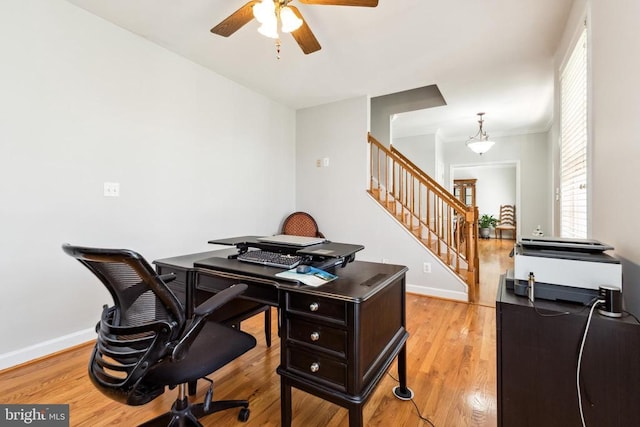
[(451, 368)]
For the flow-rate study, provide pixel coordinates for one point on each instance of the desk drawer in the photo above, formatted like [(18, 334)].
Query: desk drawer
[(322, 337), (320, 368), (318, 306), (256, 291)]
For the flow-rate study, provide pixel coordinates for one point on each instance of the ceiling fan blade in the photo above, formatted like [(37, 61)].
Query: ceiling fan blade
[(235, 21), (363, 3), (303, 35)]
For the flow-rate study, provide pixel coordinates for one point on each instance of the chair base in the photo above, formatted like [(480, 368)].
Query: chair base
[(185, 414)]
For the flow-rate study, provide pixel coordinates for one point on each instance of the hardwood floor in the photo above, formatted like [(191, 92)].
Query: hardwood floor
[(451, 369), (494, 261)]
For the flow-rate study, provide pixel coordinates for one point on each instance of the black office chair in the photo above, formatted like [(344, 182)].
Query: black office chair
[(145, 343)]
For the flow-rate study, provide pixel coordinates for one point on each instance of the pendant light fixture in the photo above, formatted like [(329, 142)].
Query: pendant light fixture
[(480, 143)]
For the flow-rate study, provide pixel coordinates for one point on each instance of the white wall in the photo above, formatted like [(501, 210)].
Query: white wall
[(83, 102), (615, 59), (533, 188), (421, 150), (337, 199)]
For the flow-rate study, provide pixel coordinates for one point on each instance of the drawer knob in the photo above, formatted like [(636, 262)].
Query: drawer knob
[(314, 306), (315, 336), (315, 367)]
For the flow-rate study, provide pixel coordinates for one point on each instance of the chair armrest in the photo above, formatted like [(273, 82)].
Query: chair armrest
[(166, 278), (219, 299), (200, 316)]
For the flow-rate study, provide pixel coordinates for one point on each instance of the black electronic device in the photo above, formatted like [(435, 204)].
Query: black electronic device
[(271, 259), (612, 305), (303, 269)]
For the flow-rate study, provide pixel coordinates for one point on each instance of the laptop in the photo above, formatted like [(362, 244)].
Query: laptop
[(286, 239)]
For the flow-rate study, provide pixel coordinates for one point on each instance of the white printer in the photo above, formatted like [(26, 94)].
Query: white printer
[(566, 269)]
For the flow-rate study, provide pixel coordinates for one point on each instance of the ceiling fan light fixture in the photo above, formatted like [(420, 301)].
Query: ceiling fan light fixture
[(264, 11), (290, 22), (269, 29), (480, 143)]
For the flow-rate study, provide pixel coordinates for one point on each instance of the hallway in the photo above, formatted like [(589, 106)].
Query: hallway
[(494, 261)]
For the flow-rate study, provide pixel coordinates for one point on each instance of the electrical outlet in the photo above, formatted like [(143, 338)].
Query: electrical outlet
[(426, 267), (111, 189)]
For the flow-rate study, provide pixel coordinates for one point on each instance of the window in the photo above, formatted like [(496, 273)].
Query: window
[(573, 142)]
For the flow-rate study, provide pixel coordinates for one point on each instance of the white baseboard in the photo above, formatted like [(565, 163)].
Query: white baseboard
[(436, 292), (16, 357)]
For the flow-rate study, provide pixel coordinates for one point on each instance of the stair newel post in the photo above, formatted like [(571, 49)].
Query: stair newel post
[(473, 261)]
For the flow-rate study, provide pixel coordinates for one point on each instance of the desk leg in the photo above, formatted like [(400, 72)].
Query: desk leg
[(355, 416), (402, 372), (285, 402)]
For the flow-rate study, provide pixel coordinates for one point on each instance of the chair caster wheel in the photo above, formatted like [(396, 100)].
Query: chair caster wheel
[(244, 415)]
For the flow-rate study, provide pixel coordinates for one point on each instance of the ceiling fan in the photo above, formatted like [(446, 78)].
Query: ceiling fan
[(274, 13)]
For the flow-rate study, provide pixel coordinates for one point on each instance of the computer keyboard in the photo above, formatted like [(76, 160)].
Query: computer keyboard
[(271, 259)]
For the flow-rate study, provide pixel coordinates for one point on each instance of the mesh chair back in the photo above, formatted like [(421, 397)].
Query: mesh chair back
[(137, 330)]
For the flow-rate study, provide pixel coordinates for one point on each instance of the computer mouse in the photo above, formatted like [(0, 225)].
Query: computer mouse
[(303, 269)]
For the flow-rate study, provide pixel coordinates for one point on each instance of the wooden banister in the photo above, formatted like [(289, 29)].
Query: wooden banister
[(441, 222)]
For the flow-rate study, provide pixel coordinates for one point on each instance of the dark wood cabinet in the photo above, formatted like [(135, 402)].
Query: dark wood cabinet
[(465, 191), (537, 358)]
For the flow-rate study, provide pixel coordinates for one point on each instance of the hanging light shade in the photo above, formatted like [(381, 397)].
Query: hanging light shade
[(264, 11), (290, 22), (480, 143), (269, 29)]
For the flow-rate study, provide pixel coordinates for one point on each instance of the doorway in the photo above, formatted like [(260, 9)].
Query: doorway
[(495, 184)]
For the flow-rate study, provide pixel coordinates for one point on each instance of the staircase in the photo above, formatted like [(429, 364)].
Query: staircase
[(436, 218)]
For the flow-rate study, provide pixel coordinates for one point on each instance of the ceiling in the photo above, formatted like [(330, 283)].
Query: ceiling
[(494, 56)]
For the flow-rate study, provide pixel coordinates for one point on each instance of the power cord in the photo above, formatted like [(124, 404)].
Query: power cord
[(632, 315), (584, 339), (564, 313), (423, 418)]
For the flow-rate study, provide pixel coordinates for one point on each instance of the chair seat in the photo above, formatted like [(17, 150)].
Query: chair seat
[(506, 227), (203, 358), (507, 220)]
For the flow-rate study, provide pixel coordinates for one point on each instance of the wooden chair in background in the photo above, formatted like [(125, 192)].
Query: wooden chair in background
[(301, 224), (507, 220)]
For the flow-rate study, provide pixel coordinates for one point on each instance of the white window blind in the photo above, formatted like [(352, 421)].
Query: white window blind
[(573, 142)]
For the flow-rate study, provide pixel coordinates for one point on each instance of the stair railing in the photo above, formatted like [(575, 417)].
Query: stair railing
[(441, 222)]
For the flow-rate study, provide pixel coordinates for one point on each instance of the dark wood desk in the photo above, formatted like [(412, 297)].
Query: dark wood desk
[(337, 340), (537, 355)]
